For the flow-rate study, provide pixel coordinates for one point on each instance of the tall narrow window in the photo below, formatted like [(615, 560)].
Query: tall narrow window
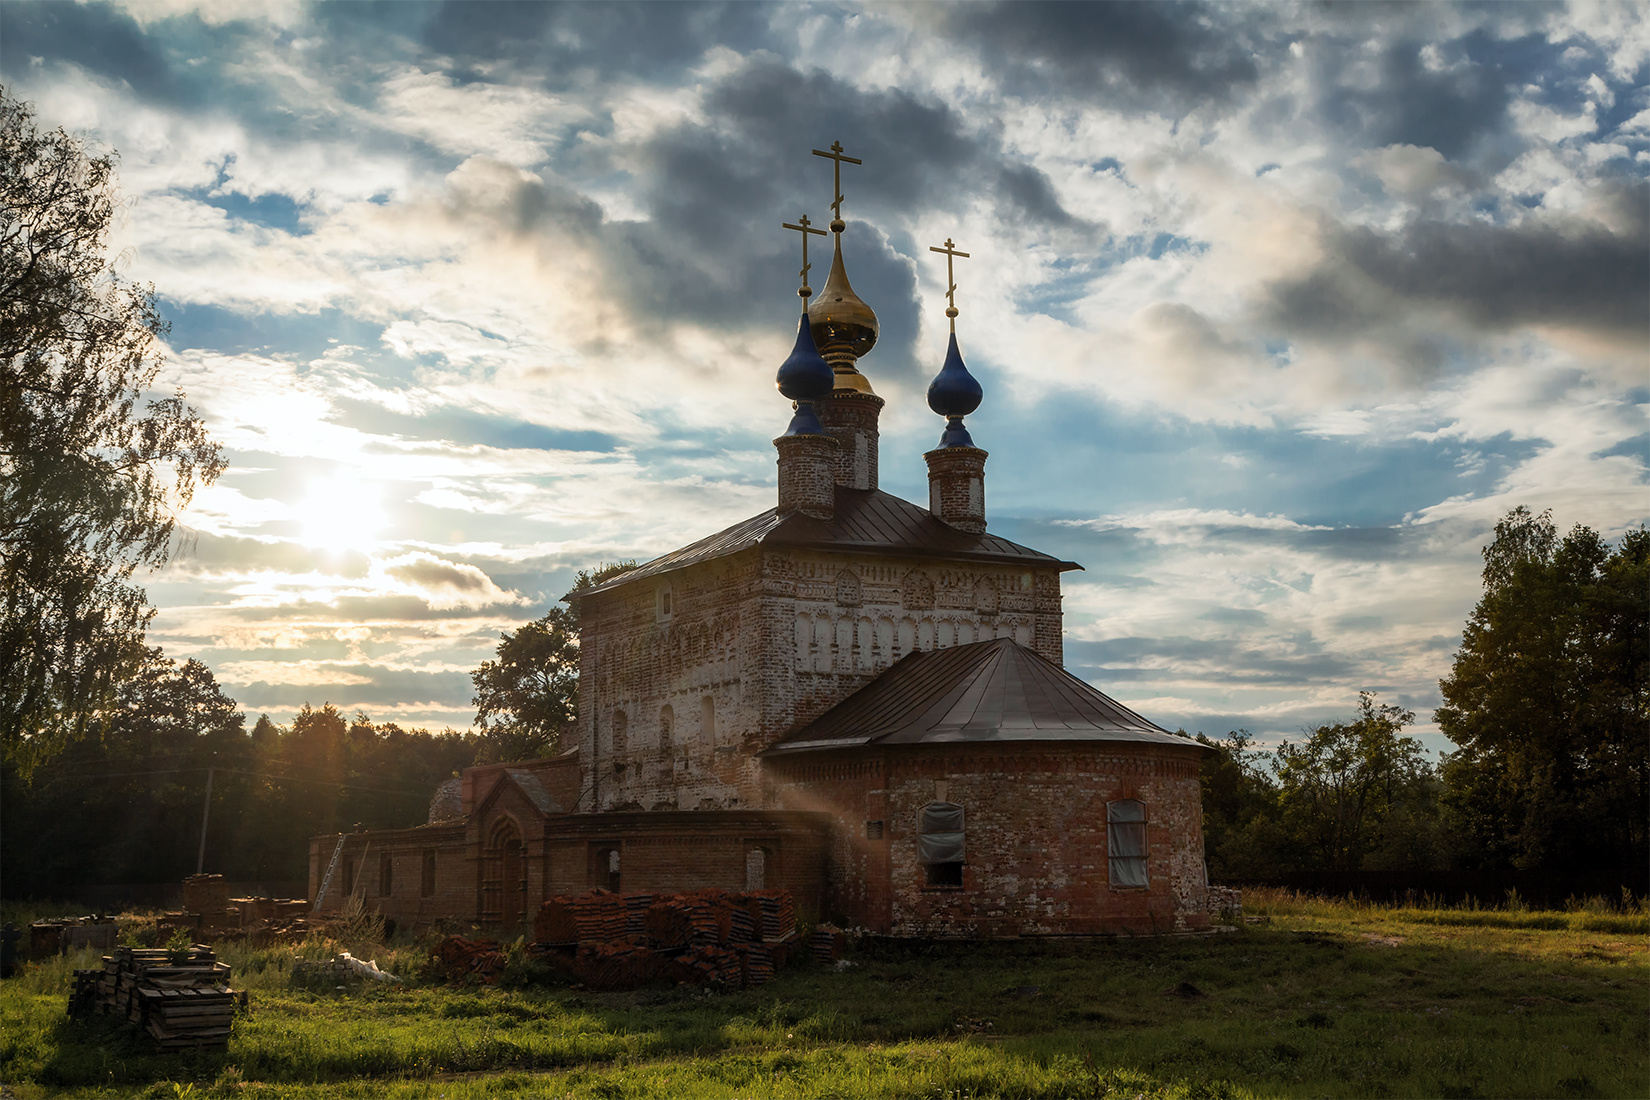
[(426, 882), (707, 721), (1126, 842), (386, 876), (940, 843), (667, 720), (349, 876)]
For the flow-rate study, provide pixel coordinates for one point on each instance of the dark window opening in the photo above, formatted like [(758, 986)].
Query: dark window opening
[(1126, 842), (940, 843), (426, 884), (873, 830), (386, 876), (945, 874)]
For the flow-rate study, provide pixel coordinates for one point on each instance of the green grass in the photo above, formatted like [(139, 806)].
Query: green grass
[(1320, 999)]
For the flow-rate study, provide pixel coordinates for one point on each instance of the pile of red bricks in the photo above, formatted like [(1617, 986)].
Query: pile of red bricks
[(459, 959), (705, 937)]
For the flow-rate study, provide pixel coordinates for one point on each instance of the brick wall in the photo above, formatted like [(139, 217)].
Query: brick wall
[(451, 889), (1035, 835), (771, 638)]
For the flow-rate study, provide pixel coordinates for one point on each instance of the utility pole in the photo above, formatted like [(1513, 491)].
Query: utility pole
[(206, 812)]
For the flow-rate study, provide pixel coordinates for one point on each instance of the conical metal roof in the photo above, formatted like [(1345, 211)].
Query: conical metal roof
[(988, 691)]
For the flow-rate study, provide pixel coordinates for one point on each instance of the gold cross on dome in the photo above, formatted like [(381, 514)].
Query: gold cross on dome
[(836, 204), (804, 228), (950, 252)]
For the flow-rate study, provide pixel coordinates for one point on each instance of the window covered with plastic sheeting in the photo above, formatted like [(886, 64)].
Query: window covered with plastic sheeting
[(940, 843), (1126, 842)]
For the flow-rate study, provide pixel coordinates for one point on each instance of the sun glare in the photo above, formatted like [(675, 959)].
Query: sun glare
[(342, 513)]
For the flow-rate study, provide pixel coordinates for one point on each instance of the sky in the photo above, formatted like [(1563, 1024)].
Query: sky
[(1278, 308)]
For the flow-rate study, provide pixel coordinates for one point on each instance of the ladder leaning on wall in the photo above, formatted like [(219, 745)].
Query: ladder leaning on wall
[(332, 869)]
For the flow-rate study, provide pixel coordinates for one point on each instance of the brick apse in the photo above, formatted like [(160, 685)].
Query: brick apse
[(848, 695)]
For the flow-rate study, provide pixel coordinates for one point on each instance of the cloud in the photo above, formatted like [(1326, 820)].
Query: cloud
[(1173, 55), (1553, 271)]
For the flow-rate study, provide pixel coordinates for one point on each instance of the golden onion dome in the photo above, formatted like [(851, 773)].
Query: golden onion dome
[(840, 321)]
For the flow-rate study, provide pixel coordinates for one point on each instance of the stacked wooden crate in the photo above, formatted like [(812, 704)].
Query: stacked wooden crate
[(181, 999)]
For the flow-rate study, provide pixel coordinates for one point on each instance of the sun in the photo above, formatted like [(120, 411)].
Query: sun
[(342, 512)]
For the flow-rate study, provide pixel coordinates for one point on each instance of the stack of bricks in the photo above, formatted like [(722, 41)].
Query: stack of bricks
[(709, 937)]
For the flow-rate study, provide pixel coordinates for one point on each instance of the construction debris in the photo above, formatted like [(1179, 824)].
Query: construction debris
[(338, 970), (459, 959), (705, 937), (55, 937), (181, 999)]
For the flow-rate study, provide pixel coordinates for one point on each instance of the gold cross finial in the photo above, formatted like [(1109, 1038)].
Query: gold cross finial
[(835, 155), (805, 291), (950, 252)]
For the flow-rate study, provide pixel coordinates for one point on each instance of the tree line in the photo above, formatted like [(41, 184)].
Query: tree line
[(1547, 703)]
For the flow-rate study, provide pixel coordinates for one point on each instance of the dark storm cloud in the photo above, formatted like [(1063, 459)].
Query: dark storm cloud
[(97, 37), (565, 43), (1546, 271), (712, 250), (1448, 108), (1165, 54)]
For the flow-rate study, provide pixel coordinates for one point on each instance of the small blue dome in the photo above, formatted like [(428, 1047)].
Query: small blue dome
[(806, 421), (954, 392), (805, 375), (955, 435)]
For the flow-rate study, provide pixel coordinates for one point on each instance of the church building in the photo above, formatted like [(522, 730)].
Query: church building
[(848, 695)]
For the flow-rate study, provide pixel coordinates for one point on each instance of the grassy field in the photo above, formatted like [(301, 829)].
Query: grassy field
[(1315, 999)]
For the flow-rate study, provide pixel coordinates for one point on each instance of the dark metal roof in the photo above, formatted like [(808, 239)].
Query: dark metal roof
[(988, 691), (866, 521)]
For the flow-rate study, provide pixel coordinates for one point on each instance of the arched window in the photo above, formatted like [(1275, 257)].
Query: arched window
[(667, 724), (1126, 842), (940, 846), (621, 733), (707, 721)]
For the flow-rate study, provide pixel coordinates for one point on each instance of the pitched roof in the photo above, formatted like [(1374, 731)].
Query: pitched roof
[(866, 521), (988, 691)]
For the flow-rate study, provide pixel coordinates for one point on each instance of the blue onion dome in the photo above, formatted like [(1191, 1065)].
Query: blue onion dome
[(954, 393), (805, 376)]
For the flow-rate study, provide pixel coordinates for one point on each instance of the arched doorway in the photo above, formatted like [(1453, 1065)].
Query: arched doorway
[(504, 876)]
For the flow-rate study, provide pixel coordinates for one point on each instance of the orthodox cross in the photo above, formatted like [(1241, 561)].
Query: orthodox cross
[(805, 291), (950, 252), (835, 155)]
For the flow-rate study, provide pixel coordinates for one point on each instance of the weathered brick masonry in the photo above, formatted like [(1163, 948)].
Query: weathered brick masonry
[(849, 696)]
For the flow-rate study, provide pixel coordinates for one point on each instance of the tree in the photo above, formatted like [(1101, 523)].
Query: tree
[(93, 468), (1338, 789), (528, 699), (1549, 701)]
